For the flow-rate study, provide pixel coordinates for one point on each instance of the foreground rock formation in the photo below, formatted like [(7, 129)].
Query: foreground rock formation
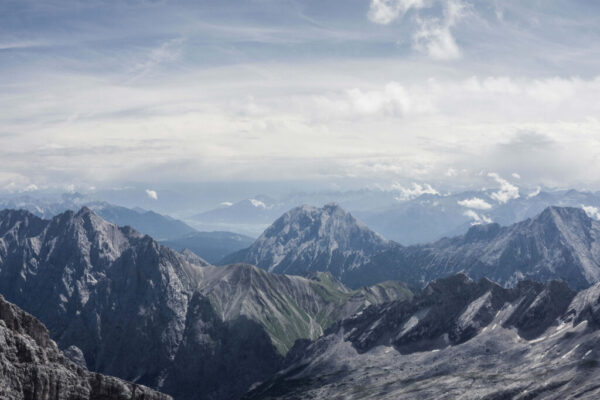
[(32, 367)]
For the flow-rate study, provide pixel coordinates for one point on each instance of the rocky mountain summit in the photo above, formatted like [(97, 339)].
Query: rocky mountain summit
[(308, 239), (32, 367), (559, 243), (109, 294), (457, 338)]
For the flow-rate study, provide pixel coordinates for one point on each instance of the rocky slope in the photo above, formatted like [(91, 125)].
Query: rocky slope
[(455, 339), (114, 293), (32, 367), (289, 307), (560, 243), (308, 239)]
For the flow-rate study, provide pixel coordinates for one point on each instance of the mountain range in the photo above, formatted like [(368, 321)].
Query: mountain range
[(416, 216), (457, 338), (559, 243), (112, 294), (171, 232)]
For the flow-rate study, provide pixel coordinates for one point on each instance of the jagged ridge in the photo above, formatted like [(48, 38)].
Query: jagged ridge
[(455, 339)]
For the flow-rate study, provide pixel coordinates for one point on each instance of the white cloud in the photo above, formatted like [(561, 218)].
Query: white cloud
[(515, 175), (31, 188), (152, 194), (507, 190), (416, 190), (592, 212), (451, 172), (385, 11), (226, 204), (392, 100), (258, 203), (476, 203), (434, 36), (478, 219), (537, 191)]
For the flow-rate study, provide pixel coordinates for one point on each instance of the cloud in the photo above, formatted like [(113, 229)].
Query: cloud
[(476, 203), (167, 52), (385, 11), (414, 191), (537, 191), (258, 203), (31, 188), (477, 218), (434, 36), (507, 190), (515, 175), (226, 204), (392, 100), (592, 212), (152, 194)]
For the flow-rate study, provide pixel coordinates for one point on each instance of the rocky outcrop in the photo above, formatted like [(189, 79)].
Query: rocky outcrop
[(32, 367), (457, 338)]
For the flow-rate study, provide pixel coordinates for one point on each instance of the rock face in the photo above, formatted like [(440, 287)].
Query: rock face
[(32, 367), (455, 339), (560, 243), (308, 239), (112, 294)]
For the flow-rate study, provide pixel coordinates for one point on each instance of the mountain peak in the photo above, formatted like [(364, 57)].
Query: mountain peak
[(556, 213), (307, 239)]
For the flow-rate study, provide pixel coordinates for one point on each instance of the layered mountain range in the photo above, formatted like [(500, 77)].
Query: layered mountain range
[(559, 243), (32, 366), (111, 294), (457, 338), (407, 215)]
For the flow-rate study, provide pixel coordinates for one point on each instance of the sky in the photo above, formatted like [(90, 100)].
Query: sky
[(448, 93)]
